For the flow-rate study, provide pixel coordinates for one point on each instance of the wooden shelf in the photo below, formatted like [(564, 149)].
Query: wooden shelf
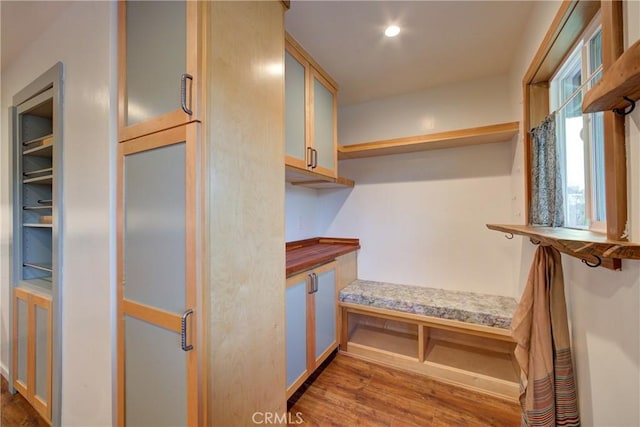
[(385, 340), (503, 132), (581, 244), (303, 178), (304, 254), (620, 80), (37, 225), (44, 150), (42, 180)]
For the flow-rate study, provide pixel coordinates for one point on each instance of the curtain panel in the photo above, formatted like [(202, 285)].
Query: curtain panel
[(547, 204)]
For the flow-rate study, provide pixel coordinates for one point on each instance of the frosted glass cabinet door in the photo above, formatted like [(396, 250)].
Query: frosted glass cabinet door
[(295, 97), (158, 384), (324, 138), (157, 71), (296, 308), (325, 307), (20, 346)]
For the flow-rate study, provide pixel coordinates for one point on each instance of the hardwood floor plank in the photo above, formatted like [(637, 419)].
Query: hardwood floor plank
[(350, 391), (16, 411)]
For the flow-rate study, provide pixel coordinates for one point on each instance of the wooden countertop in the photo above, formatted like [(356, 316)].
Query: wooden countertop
[(304, 254)]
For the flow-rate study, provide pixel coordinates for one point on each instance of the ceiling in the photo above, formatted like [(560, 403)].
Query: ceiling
[(440, 42), (18, 21)]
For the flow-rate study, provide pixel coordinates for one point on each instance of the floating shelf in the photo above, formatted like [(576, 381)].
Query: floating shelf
[(621, 80), (582, 244), (503, 132), (304, 178)]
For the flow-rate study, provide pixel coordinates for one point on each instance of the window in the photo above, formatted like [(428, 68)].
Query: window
[(580, 136)]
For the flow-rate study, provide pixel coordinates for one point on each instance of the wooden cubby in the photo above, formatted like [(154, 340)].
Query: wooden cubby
[(471, 360)]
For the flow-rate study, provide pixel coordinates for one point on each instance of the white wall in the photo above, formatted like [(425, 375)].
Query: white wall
[(603, 305), (411, 212), (83, 38)]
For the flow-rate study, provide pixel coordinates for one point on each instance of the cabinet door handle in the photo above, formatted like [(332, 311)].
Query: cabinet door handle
[(314, 157), (183, 92), (183, 330), (315, 282), (310, 283), (309, 157)]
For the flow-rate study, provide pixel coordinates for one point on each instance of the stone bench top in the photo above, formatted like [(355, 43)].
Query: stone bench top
[(470, 307)]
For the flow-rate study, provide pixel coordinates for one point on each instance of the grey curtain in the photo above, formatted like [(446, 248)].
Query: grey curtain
[(547, 207)]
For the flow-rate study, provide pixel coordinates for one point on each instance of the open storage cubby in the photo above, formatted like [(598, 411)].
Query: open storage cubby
[(34, 181), (472, 361)]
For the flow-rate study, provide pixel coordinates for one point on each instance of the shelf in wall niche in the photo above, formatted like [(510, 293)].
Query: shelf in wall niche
[(303, 178), (583, 244), (621, 80), (503, 132)]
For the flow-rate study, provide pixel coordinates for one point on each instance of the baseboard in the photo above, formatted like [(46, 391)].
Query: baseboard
[(4, 371)]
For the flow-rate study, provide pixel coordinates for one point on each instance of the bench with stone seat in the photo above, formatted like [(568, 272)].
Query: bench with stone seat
[(453, 336)]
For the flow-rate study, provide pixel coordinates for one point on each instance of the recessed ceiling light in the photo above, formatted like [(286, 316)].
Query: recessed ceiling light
[(392, 31)]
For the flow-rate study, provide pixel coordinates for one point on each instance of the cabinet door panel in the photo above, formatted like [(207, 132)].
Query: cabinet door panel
[(42, 353), (324, 126), (22, 317), (296, 339), (325, 311), (156, 58), (155, 382), (295, 101), (155, 224)]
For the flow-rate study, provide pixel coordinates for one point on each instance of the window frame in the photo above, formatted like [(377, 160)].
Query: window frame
[(569, 24)]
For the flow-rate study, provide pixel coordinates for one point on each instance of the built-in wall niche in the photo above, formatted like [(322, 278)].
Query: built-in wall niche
[(35, 142), (36, 117)]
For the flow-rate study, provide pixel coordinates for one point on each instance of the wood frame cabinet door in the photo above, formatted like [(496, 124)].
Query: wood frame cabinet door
[(325, 338), (297, 313), (157, 305), (158, 65), (296, 108), (323, 121), (32, 349)]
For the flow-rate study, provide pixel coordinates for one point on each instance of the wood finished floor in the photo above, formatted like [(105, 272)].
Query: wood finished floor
[(15, 410), (352, 392)]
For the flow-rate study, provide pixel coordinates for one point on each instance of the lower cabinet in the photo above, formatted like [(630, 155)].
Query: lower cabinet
[(32, 343), (311, 322)]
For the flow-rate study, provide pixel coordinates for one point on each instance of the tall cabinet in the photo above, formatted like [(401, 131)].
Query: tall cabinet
[(37, 255), (200, 213), (158, 173)]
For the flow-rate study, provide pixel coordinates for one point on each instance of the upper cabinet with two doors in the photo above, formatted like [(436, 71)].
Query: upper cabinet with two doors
[(310, 114), (158, 66)]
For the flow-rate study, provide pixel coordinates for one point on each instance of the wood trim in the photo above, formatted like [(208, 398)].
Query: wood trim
[(44, 406), (297, 383), (621, 79), (162, 318), (291, 43), (503, 132), (191, 253), (615, 155), (569, 23), (161, 139), (435, 322)]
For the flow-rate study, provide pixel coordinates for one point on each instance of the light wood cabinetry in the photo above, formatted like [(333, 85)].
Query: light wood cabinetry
[(159, 74), (310, 114), (32, 348), (199, 199), (311, 318)]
